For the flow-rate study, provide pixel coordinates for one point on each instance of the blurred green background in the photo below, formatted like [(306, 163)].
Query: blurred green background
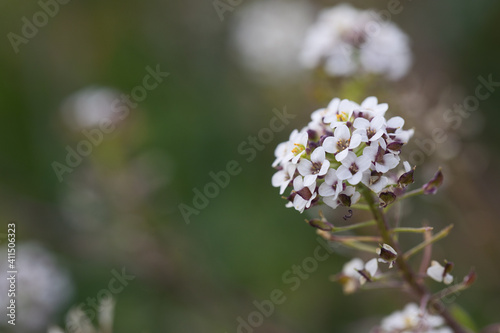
[(119, 208)]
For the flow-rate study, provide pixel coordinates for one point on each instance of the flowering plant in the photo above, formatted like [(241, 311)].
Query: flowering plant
[(349, 155)]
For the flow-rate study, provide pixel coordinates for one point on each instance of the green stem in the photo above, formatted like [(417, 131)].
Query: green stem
[(360, 246), (375, 239), (354, 226), (361, 206), (408, 275), (443, 233), (414, 230)]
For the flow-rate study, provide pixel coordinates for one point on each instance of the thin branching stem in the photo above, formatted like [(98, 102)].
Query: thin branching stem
[(443, 233), (415, 284)]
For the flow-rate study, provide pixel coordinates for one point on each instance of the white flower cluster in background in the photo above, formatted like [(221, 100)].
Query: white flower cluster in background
[(90, 107), (42, 287), (267, 35), (347, 41), (413, 320), (344, 145)]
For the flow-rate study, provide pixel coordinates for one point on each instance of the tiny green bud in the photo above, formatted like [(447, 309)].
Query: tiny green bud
[(320, 224), (387, 254), (387, 198), (406, 178)]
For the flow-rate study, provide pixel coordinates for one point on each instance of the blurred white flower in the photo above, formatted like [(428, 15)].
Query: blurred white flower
[(439, 273), (267, 35), (42, 287), (356, 273), (413, 320), (90, 107), (347, 41)]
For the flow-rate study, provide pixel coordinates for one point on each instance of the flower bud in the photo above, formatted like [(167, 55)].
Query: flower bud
[(320, 224), (406, 178), (432, 186), (387, 254), (387, 198)]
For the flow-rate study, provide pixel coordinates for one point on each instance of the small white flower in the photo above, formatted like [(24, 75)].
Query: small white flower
[(283, 177), (331, 187), (317, 166), (355, 273), (341, 142), (384, 161), (318, 117), (298, 145), (349, 195), (371, 105), (343, 112), (375, 182), (281, 153), (437, 273), (370, 130), (395, 130), (413, 320), (304, 195), (352, 168)]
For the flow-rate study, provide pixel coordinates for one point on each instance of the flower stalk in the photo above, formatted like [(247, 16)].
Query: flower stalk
[(416, 286)]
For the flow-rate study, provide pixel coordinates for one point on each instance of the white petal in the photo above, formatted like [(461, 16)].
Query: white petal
[(382, 108), (318, 155), (372, 266), (356, 178), (309, 180), (342, 132), (391, 161), (304, 167), (278, 178), (369, 102), (406, 166), (331, 177), (331, 201), (395, 122), (298, 184), (361, 123), (330, 145), (362, 133), (355, 141), (333, 106), (349, 159), (377, 122), (448, 279), (363, 162), (341, 155), (355, 197), (324, 168), (351, 268), (326, 190), (343, 173), (347, 106), (377, 135), (435, 271)]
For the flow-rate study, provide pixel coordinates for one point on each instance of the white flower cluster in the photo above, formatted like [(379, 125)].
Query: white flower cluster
[(345, 144), (348, 41), (413, 320), (267, 36), (43, 286)]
